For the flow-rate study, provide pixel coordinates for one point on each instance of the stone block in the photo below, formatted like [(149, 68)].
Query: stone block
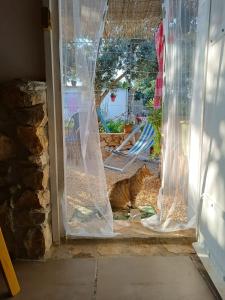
[(34, 139), (4, 114), (24, 168), (7, 229), (26, 175), (31, 242), (28, 218), (19, 171), (4, 195), (32, 116), (14, 172), (113, 144), (19, 247), (103, 144), (20, 93), (33, 199), (36, 178), (117, 139), (15, 193), (7, 122), (102, 136), (3, 174), (6, 224), (7, 148), (39, 160), (38, 240)]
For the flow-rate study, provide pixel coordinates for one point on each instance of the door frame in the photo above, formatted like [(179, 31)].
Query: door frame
[(50, 24)]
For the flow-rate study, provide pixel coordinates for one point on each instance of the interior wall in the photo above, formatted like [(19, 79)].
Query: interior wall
[(22, 47)]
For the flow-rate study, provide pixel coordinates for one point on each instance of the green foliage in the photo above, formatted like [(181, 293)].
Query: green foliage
[(155, 118), (145, 89), (123, 85), (110, 61), (115, 126), (135, 58), (101, 128)]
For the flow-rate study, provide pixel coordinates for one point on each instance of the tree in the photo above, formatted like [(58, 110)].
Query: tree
[(132, 60)]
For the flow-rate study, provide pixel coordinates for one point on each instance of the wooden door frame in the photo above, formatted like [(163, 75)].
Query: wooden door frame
[(55, 114)]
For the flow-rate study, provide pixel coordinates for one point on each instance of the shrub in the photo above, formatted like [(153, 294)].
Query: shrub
[(115, 126), (155, 118)]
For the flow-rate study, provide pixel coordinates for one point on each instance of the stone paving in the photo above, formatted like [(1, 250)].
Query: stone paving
[(109, 278)]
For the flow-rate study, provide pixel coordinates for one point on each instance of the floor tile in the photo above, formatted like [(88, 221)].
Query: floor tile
[(71, 279), (155, 278)]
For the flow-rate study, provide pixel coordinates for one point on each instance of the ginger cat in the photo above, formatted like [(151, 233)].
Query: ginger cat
[(125, 191)]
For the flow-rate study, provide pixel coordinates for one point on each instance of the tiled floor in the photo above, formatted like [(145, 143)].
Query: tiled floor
[(109, 278)]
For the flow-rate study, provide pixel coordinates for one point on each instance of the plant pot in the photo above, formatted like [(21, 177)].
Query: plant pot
[(73, 82), (127, 128), (113, 98)]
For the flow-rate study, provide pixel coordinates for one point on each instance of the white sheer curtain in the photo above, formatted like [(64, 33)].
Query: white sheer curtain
[(86, 210), (180, 25), (197, 108), (180, 35)]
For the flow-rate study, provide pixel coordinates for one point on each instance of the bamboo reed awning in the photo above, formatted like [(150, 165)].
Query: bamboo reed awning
[(132, 18)]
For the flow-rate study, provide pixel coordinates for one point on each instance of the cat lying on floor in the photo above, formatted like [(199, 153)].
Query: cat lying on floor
[(124, 192)]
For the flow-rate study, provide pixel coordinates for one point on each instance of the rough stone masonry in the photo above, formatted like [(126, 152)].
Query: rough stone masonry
[(24, 168), (112, 141)]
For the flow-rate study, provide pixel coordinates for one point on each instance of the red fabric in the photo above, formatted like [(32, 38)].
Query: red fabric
[(159, 45)]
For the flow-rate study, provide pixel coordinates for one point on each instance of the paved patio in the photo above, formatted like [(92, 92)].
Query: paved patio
[(119, 278)]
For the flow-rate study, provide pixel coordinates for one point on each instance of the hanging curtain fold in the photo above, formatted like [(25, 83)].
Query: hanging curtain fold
[(159, 46), (197, 108), (86, 209), (180, 27)]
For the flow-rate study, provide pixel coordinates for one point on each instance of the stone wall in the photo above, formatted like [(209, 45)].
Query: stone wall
[(24, 169), (112, 141)]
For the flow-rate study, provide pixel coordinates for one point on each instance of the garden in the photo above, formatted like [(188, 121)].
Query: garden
[(126, 70), (130, 64)]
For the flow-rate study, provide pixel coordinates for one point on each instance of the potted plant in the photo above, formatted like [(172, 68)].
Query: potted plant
[(73, 82), (113, 96)]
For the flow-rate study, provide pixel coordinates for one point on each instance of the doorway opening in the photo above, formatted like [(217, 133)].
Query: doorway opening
[(109, 62), (126, 71)]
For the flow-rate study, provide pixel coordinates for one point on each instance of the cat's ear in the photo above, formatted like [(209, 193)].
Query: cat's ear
[(145, 167)]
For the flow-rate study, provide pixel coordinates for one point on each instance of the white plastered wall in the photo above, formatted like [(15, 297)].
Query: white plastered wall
[(207, 157)]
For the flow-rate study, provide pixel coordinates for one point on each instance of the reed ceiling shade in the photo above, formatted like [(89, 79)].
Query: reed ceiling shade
[(132, 18)]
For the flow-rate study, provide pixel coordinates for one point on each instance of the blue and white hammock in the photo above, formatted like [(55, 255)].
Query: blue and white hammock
[(144, 143)]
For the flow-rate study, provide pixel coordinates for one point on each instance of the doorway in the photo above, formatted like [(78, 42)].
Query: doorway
[(129, 58), (87, 209)]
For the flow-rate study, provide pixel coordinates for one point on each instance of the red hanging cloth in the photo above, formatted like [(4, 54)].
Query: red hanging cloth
[(159, 45)]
